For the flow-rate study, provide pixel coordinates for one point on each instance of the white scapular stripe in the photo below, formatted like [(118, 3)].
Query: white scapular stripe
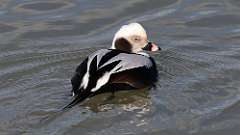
[(100, 54), (129, 61), (85, 79), (104, 79), (101, 81)]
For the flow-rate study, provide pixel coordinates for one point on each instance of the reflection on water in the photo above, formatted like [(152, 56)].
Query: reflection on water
[(6, 28), (43, 6), (222, 20), (135, 100), (43, 41)]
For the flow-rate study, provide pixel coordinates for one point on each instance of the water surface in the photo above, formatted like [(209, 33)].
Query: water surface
[(42, 42)]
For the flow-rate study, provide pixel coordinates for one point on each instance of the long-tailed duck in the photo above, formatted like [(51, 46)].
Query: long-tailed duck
[(123, 66)]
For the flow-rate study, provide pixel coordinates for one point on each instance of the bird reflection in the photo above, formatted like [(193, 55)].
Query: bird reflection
[(126, 100)]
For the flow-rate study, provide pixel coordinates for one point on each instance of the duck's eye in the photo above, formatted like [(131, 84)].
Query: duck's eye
[(136, 39)]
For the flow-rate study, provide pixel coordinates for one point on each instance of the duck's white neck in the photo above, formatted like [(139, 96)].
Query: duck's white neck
[(144, 54)]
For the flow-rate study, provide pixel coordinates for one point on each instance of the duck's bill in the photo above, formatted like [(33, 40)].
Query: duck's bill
[(151, 47)]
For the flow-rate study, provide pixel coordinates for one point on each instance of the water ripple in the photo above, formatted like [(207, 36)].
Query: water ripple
[(42, 42)]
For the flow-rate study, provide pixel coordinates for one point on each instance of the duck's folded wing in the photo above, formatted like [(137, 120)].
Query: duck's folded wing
[(140, 77), (135, 70)]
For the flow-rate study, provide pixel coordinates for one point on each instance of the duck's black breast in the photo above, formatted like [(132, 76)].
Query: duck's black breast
[(110, 66)]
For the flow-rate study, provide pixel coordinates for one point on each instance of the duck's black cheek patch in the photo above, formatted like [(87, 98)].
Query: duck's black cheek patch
[(123, 44)]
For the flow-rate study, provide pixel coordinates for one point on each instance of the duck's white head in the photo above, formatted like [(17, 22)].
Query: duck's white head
[(133, 38)]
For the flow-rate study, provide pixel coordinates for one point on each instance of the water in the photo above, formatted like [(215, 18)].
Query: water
[(43, 41)]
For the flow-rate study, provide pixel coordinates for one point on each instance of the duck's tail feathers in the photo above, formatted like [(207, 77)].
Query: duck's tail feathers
[(77, 99)]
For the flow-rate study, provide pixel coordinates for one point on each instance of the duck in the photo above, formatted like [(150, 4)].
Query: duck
[(123, 66)]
